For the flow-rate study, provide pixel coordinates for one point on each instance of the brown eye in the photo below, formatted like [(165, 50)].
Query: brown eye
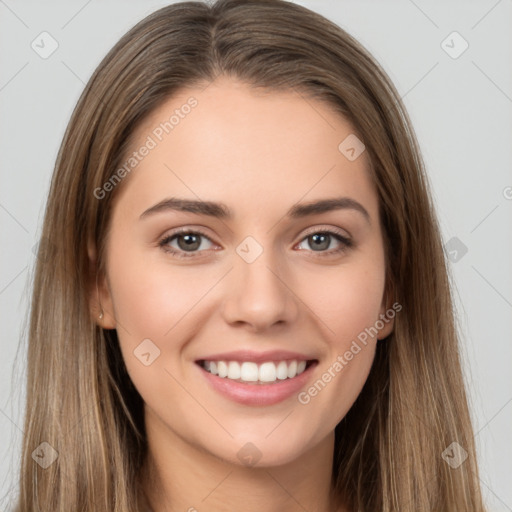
[(187, 242), (320, 241)]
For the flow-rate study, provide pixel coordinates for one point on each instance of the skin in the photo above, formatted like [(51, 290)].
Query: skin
[(259, 153)]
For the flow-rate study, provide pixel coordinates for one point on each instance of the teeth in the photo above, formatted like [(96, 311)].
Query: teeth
[(282, 370), (292, 369), (252, 372), (233, 370), (222, 368), (249, 372), (267, 372)]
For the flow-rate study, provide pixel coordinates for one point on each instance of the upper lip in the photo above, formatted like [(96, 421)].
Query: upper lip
[(257, 357)]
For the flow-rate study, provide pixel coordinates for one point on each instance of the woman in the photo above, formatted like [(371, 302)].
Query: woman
[(247, 304)]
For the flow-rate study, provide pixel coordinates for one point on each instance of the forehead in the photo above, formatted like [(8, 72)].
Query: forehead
[(251, 148)]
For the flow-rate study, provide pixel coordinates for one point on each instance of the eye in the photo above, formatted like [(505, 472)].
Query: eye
[(322, 239), (188, 241)]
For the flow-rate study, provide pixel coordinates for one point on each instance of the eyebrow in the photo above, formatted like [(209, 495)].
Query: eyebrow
[(221, 211)]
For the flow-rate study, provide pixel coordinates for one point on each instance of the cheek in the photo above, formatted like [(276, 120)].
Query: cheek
[(158, 302), (150, 299), (346, 300), (347, 309), (347, 303)]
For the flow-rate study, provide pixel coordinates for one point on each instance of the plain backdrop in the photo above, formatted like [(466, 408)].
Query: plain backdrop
[(460, 102)]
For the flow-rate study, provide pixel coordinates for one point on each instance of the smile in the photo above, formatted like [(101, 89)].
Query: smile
[(256, 384), (252, 372)]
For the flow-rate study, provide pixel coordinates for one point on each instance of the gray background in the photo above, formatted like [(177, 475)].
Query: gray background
[(461, 110)]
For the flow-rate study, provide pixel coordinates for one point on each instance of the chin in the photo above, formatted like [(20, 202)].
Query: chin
[(259, 452)]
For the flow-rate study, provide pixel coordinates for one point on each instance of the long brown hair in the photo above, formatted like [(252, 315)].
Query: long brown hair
[(389, 447)]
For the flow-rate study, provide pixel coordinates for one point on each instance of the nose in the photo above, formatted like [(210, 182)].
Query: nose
[(258, 295)]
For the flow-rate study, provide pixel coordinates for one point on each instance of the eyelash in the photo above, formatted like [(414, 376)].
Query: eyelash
[(346, 242)]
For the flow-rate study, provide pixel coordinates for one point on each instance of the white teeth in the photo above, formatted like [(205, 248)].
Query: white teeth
[(222, 368), (267, 372), (233, 370), (249, 372), (282, 370), (292, 369), (252, 372)]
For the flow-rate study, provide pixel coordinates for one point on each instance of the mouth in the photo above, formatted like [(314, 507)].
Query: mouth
[(253, 373), (257, 381)]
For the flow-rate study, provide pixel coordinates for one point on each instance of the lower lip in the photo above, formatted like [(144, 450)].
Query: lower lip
[(258, 394)]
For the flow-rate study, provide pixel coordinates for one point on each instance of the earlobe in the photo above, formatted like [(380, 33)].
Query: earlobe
[(104, 310), (385, 325), (100, 301), (386, 321)]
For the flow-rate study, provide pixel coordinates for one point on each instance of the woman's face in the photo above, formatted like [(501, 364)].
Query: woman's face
[(257, 272)]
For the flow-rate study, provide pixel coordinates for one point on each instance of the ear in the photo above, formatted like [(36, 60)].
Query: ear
[(100, 298), (386, 321)]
